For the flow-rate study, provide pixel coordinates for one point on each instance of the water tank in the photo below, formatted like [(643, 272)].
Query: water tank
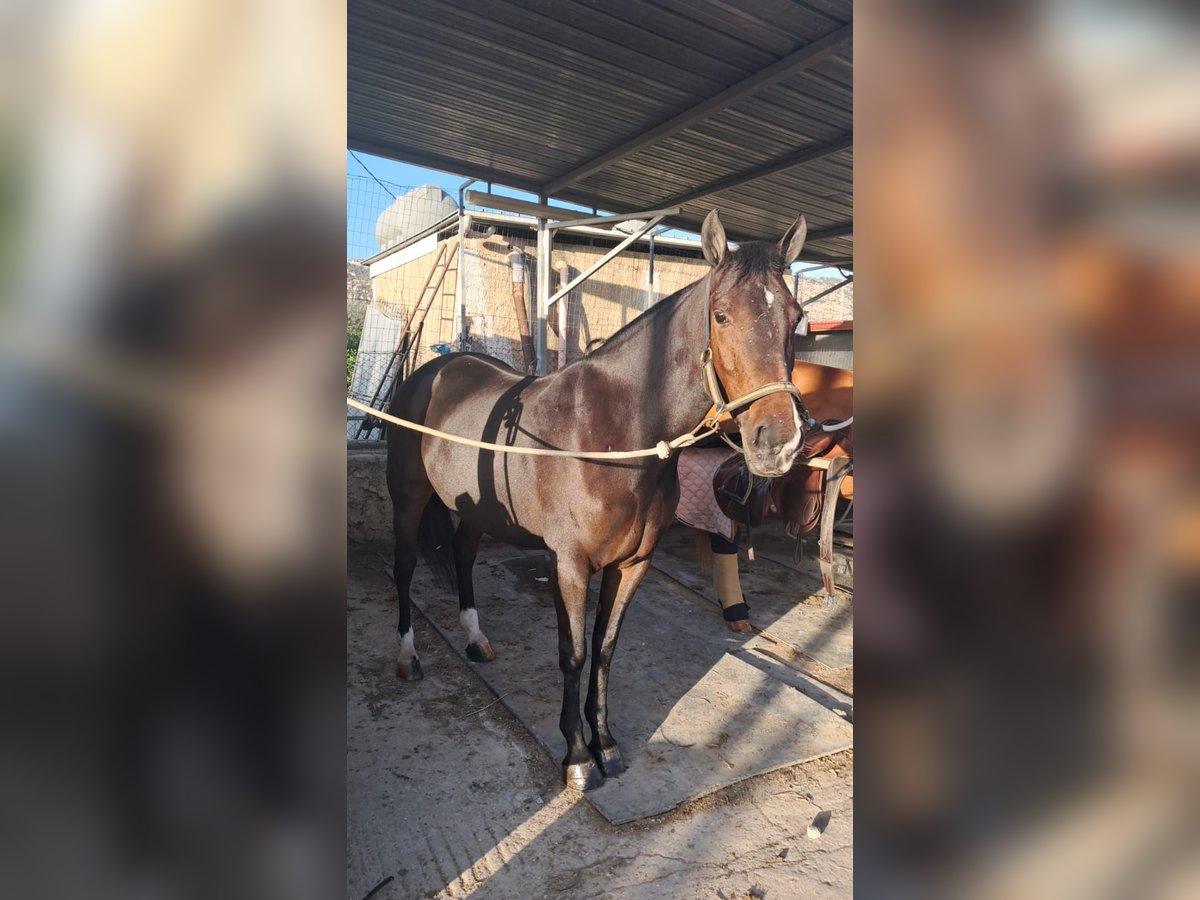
[(412, 213)]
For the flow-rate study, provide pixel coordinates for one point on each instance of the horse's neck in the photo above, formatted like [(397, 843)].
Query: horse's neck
[(664, 357)]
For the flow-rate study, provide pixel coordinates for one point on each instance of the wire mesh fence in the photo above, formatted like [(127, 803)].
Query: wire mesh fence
[(823, 300), (384, 295)]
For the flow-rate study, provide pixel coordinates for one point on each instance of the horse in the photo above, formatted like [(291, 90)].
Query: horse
[(730, 331)]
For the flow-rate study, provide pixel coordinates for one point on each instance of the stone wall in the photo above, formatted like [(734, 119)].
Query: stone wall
[(368, 507)]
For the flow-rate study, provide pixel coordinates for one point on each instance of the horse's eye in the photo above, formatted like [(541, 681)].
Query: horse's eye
[(721, 318)]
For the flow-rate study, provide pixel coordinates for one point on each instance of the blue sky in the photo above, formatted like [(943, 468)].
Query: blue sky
[(360, 239)]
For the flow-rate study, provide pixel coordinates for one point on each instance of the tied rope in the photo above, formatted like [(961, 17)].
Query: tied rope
[(663, 449)]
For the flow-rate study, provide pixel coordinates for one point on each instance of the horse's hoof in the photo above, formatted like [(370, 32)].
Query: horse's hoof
[(411, 670), (481, 652), (741, 626), (610, 761), (583, 776)]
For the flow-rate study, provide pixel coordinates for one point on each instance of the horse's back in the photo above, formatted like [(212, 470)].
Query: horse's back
[(414, 398), (478, 397), (412, 395)]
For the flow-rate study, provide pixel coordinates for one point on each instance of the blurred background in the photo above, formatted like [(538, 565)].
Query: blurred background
[(172, 428), (171, 423), (1027, 623)]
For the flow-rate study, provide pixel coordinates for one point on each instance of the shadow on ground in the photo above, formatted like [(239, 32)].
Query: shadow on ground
[(448, 791)]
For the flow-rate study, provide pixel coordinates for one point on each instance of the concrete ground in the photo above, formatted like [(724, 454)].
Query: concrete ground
[(449, 795)]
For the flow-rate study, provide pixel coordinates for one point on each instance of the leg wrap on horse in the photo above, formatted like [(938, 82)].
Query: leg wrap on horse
[(729, 588), (735, 613), (726, 582)]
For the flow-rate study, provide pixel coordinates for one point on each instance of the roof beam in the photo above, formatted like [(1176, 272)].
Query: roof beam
[(521, 207), (772, 74), (808, 154), (684, 223), (832, 231)]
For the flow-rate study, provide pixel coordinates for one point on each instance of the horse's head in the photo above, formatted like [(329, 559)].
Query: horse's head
[(752, 317)]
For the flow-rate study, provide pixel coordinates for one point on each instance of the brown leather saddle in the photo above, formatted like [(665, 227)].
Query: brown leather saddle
[(797, 496), (740, 494)]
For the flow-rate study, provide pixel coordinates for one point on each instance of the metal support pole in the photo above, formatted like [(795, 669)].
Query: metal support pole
[(460, 301), (544, 237), (650, 286), (460, 305)]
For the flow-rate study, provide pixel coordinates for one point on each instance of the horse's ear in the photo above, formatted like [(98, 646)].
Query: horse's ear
[(712, 239), (792, 241)]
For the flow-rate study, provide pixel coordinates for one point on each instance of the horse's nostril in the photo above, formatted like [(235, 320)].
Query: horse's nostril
[(759, 435)]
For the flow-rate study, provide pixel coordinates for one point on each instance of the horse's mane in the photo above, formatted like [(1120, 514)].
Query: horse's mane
[(644, 320), (752, 259), (747, 261)]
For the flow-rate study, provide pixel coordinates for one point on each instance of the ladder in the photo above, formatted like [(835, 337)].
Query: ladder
[(402, 357)]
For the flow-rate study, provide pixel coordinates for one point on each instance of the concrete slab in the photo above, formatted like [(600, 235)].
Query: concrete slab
[(787, 602), (448, 795), (690, 718)]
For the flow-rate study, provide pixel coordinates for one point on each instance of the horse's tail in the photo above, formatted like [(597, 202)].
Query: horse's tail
[(435, 542)]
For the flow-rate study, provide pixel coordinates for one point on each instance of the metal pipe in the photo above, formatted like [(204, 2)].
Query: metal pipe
[(516, 262), (460, 304), (461, 188), (460, 297), (602, 262), (650, 285), (827, 291), (544, 238), (564, 275)]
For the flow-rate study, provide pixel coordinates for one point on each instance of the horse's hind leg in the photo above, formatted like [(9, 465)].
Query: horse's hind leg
[(408, 504), (466, 545)]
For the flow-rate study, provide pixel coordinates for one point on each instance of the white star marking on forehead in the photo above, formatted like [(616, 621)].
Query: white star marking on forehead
[(770, 296)]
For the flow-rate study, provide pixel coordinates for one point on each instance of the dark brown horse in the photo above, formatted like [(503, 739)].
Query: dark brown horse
[(645, 385)]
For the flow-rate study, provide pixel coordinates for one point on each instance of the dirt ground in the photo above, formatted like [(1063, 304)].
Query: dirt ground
[(449, 795)]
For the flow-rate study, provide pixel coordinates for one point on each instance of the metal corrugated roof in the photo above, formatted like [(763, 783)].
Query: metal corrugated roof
[(621, 104)]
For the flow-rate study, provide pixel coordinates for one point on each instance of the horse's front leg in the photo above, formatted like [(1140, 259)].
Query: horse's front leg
[(579, 770), (616, 590)]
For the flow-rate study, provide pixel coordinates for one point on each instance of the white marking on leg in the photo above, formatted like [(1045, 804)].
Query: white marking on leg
[(770, 296), (407, 650), (469, 619)]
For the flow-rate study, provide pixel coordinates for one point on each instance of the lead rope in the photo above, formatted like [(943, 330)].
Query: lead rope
[(663, 449)]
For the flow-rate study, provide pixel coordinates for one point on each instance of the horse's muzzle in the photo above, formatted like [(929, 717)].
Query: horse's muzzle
[(770, 454)]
